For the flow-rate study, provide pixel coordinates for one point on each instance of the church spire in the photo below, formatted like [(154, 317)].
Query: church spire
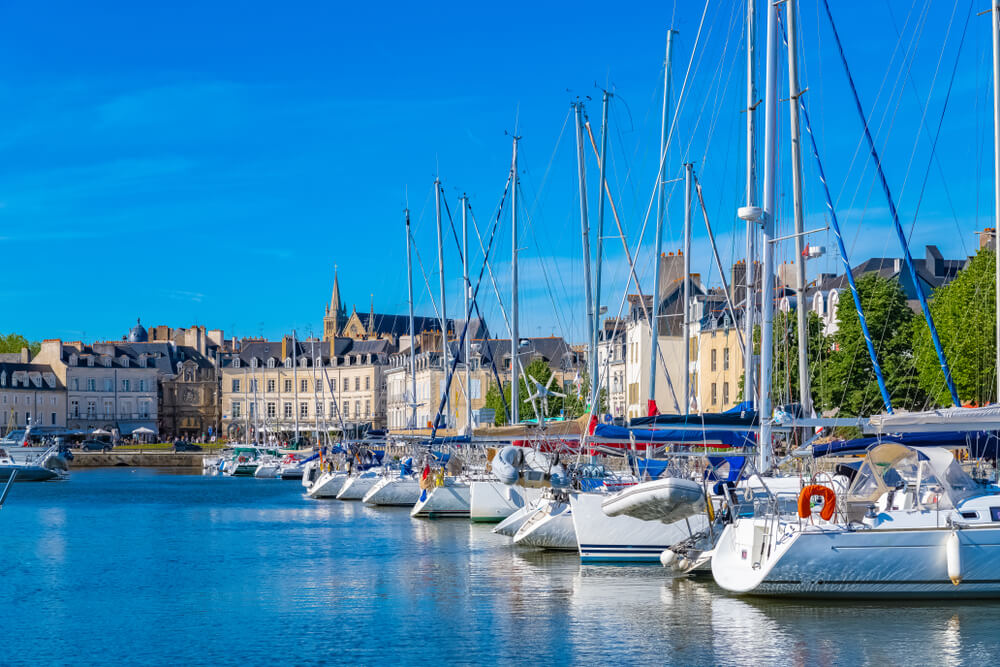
[(337, 307), (336, 311), (371, 316)]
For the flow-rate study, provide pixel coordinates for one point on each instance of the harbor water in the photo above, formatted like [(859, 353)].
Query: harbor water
[(141, 566)]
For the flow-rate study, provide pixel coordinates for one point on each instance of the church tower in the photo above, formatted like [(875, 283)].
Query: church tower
[(336, 312)]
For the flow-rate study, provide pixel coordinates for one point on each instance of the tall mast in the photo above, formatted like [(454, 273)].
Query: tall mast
[(654, 328), (316, 404), (805, 395), (444, 316), (996, 179), (295, 387), (594, 384), (515, 401), (585, 235), (466, 291), (749, 300), (770, 188), (413, 353), (686, 305)]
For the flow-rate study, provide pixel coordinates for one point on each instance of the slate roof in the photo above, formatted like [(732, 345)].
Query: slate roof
[(43, 370)]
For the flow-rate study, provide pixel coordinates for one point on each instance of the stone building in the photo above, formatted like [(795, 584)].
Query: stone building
[(30, 393), (271, 389)]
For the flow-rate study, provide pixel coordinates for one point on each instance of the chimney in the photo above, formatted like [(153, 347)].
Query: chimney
[(25, 355), (934, 261)]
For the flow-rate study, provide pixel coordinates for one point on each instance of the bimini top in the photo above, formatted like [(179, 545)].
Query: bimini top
[(931, 473)]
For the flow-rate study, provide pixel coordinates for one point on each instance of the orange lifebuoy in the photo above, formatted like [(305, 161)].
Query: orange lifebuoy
[(824, 492)]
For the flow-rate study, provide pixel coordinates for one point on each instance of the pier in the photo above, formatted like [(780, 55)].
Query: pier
[(138, 459)]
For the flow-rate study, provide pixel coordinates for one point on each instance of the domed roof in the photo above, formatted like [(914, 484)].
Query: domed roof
[(137, 334)]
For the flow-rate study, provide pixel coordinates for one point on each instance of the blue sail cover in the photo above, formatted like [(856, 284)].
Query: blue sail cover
[(652, 467), (725, 438), (449, 440), (981, 444)]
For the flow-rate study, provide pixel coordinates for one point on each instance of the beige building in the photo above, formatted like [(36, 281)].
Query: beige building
[(720, 366), (30, 393), (270, 389)]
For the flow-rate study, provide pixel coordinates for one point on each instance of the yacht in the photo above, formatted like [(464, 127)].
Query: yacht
[(912, 523)]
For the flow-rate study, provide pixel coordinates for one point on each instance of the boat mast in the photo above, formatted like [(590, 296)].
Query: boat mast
[(749, 300), (686, 305), (585, 235), (515, 401), (996, 180), (654, 328), (767, 256), (466, 290), (594, 384), (295, 387), (444, 315), (413, 353), (805, 395)]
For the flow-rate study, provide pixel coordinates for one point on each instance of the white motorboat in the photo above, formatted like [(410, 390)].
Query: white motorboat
[(912, 524), (328, 484), (550, 526), (513, 523), (492, 500), (449, 497), (394, 490), (268, 468), (35, 471), (311, 472), (624, 538)]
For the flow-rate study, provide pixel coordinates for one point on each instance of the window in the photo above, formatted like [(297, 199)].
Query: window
[(357, 409), (91, 384), (368, 383), (27, 417), (270, 386), (270, 362), (304, 386), (303, 410), (76, 384), (236, 386), (91, 409), (144, 409), (236, 409), (272, 410), (74, 409), (236, 362), (108, 409), (3, 379), (126, 385), (347, 409), (368, 408), (725, 359), (288, 410), (333, 408), (319, 409), (288, 386), (52, 419), (357, 384), (713, 364), (251, 411), (108, 385), (253, 386), (725, 393), (333, 385), (715, 393), (142, 385)]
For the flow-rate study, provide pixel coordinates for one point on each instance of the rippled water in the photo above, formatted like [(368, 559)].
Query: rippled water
[(139, 566)]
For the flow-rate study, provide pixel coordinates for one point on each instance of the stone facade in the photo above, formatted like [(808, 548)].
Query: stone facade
[(31, 393)]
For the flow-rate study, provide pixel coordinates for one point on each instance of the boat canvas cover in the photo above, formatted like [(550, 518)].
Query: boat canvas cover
[(707, 436), (981, 444), (946, 419)]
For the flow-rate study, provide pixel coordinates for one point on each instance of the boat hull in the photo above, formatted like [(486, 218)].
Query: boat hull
[(28, 473), (492, 501), (328, 485), (551, 527), (394, 492), (624, 539), (836, 563), (450, 500), (356, 486)]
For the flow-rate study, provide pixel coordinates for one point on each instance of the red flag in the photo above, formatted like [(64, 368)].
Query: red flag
[(427, 471)]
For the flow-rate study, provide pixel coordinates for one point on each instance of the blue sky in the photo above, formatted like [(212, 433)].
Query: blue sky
[(211, 163)]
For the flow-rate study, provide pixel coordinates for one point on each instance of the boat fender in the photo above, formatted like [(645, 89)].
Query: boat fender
[(954, 557), (667, 558), (824, 492)]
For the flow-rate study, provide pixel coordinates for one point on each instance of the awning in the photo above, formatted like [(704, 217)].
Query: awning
[(127, 427)]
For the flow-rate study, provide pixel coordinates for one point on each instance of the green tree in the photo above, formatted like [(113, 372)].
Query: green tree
[(848, 376), (12, 343), (540, 371), (964, 313)]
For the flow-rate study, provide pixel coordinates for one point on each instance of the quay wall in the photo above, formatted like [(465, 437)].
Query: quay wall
[(137, 459)]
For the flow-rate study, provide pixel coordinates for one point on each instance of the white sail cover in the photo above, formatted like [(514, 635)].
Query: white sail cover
[(946, 419)]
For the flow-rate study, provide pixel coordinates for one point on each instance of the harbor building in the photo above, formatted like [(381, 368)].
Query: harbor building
[(30, 393)]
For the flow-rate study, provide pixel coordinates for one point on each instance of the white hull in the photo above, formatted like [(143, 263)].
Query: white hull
[(551, 527), (513, 523), (450, 500), (328, 485), (492, 500), (267, 470), (394, 491), (831, 562), (356, 486), (624, 538)]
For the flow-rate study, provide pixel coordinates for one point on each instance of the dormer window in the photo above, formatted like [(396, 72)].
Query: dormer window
[(288, 362), (90, 361), (236, 362), (124, 362), (270, 362), (73, 359), (303, 361), (3, 379), (106, 360), (253, 362), (50, 380)]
